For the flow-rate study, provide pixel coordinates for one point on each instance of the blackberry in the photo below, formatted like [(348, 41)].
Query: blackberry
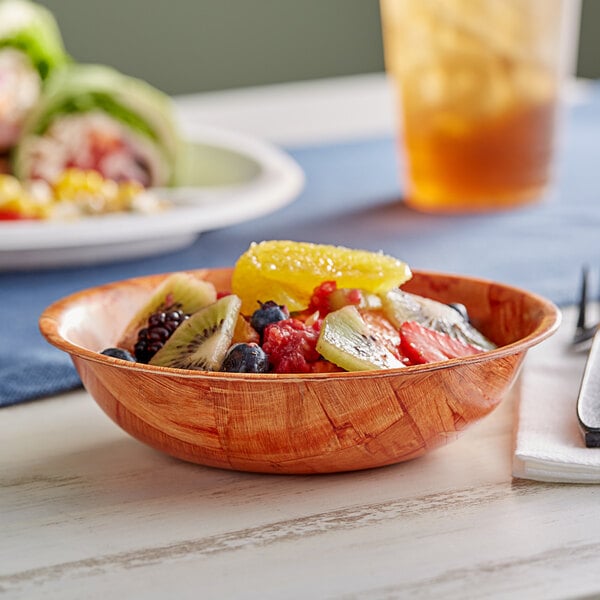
[(153, 337), (269, 312)]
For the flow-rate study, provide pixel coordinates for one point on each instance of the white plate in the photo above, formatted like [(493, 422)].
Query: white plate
[(229, 178)]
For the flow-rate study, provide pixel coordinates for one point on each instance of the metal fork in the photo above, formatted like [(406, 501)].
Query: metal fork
[(588, 400)]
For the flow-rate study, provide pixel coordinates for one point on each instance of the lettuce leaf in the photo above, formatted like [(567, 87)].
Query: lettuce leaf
[(102, 102)]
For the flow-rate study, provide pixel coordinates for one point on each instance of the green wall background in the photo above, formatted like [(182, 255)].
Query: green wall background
[(589, 40), (186, 46)]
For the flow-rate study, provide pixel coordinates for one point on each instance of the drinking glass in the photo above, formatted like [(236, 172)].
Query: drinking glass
[(478, 84)]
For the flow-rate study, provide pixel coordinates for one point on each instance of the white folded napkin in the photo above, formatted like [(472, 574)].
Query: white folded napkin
[(549, 444)]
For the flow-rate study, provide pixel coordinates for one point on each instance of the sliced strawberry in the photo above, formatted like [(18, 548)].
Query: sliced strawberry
[(423, 345)]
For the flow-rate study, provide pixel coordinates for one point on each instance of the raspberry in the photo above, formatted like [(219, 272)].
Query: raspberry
[(291, 345), (160, 326), (320, 297)]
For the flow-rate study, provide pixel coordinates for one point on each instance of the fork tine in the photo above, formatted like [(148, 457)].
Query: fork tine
[(581, 317)]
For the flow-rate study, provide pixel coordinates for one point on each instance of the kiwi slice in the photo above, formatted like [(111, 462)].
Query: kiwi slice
[(180, 290), (347, 341), (399, 307), (201, 342)]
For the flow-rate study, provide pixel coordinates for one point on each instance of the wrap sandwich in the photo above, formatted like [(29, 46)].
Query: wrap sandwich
[(31, 48), (93, 117)]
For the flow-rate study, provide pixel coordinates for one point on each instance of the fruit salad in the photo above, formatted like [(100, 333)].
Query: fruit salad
[(297, 307)]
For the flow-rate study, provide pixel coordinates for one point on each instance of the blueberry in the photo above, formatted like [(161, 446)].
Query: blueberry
[(245, 358), (269, 312), (118, 353), (461, 309)]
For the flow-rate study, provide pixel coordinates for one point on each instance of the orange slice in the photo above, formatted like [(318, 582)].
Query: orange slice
[(287, 272)]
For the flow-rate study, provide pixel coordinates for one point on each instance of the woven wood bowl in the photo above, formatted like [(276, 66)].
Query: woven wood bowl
[(300, 423)]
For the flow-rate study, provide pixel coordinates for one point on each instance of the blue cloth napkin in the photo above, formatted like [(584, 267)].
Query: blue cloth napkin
[(353, 198)]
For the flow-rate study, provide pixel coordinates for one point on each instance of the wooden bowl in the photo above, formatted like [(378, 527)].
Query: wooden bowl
[(306, 423)]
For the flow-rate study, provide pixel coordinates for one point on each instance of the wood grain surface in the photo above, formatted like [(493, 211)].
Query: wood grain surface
[(89, 512)]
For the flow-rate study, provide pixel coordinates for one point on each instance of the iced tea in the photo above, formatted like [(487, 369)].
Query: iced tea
[(478, 84)]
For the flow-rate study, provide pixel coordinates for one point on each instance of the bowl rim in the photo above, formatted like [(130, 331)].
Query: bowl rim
[(49, 325)]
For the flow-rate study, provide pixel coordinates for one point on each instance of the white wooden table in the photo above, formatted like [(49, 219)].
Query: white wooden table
[(88, 512)]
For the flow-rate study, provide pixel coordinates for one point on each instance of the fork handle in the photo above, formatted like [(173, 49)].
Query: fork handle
[(588, 401)]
